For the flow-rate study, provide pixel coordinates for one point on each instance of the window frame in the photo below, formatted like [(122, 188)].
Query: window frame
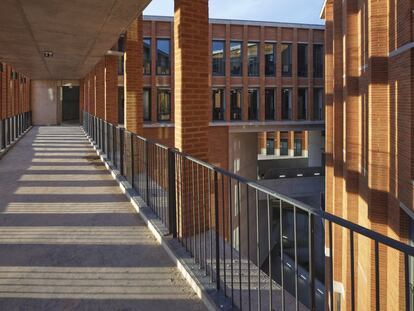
[(149, 90), (159, 118), (222, 104), (303, 72), (274, 47), (223, 59), (289, 72), (232, 74), (149, 61), (240, 112), (158, 65), (253, 61)]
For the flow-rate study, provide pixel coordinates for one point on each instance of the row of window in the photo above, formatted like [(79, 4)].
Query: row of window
[(163, 61), (236, 104), (283, 146)]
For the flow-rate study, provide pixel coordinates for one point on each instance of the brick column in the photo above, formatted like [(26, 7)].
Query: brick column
[(100, 89), (133, 77), (111, 89), (192, 96), (291, 143), (276, 141), (262, 143)]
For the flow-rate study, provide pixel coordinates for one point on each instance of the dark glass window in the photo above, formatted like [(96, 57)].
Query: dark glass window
[(270, 59), (270, 146), (318, 104), (146, 96), (163, 56), (121, 48), (236, 58), (302, 103), (302, 60), (253, 58), (219, 58), (236, 101), (318, 58), (284, 151), (121, 43), (270, 104), (218, 104), (147, 57), (164, 105), (253, 104), (298, 147), (287, 104), (287, 59)]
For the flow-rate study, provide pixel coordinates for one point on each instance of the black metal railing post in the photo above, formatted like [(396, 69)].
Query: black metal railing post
[(172, 208), (131, 141), (121, 150), (217, 241)]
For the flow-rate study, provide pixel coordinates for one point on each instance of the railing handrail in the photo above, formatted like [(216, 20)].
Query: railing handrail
[(383, 239)]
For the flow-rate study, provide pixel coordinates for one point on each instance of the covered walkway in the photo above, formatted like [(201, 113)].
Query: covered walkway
[(70, 239)]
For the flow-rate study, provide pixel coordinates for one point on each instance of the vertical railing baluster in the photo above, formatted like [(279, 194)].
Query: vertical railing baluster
[(259, 292), (331, 276), (269, 240), (311, 246), (295, 239), (377, 277), (216, 214), (351, 241)]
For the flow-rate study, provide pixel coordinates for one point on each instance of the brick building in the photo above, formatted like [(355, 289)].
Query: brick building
[(369, 144), (262, 75)]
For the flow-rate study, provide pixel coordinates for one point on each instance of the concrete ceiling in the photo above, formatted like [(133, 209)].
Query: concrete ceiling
[(78, 32)]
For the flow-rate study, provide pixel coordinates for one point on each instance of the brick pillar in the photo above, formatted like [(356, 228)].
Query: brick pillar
[(133, 77), (192, 95), (111, 89), (262, 143), (305, 144), (291, 143), (276, 142), (100, 89)]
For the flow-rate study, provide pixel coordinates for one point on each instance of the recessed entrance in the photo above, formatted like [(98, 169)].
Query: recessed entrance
[(70, 104)]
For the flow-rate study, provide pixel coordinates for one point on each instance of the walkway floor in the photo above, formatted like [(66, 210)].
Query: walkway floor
[(69, 238)]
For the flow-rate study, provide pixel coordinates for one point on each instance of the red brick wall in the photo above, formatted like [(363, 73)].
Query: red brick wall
[(368, 139), (111, 89)]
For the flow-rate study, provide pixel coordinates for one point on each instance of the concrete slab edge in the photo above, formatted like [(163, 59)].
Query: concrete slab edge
[(184, 269), (7, 149)]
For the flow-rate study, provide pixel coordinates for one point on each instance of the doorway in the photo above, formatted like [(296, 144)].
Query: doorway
[(70, 104)]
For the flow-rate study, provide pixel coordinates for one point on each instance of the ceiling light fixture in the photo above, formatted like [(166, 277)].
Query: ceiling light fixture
[(47, 54)]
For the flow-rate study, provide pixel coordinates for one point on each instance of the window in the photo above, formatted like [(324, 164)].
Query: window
[(163, 57), (318, 104), (270, 63), (270, 146), (164, 105), (287, 104), (318, 61), (284, 151), (236, 104), (253, 104), (147, 57), (302, 103), (298, 147), (286, 59), (253, 58), (219, 57), (302, 60), (236, 58), (218, 104), (270, 104), (146, 96), (121, 48)]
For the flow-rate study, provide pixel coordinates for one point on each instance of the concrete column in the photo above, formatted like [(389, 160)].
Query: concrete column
[(192, 91), (133, 77), (315, 148), (276, 143), (262, 143), (242, 157)]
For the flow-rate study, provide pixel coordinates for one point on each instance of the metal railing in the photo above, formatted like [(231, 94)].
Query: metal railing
[(12, 127), (262, 250)]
